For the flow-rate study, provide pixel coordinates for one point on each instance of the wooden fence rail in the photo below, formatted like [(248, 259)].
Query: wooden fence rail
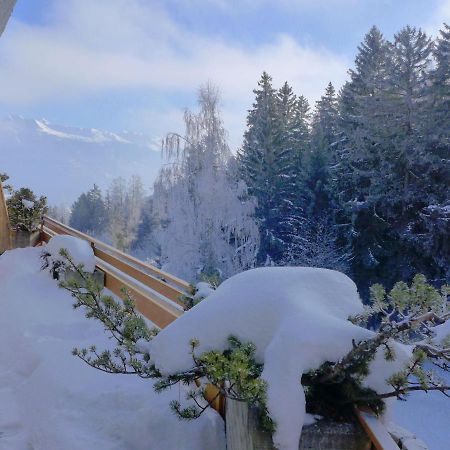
[(157, 294)]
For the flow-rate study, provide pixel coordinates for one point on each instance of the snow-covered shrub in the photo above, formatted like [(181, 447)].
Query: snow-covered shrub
[(280, 339), (199, 292), (25, 209), (55, 255)]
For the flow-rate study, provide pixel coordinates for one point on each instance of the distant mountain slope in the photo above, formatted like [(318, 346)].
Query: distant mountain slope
[(61, 162)]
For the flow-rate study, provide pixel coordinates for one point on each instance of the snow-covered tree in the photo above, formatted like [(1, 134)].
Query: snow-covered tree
[(124, 205), (89, 213), (440, 89), (205, 215), (317, 245), (25, 209), (267, 163), (384, 160), (317, 242)]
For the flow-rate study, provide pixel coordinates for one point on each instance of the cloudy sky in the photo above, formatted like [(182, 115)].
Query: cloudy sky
[(136, 64)]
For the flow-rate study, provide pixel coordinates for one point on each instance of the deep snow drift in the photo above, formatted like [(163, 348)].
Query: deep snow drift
[(296, 317), (50, 400)]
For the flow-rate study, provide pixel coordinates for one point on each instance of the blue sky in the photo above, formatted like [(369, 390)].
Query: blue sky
[(136, 64)]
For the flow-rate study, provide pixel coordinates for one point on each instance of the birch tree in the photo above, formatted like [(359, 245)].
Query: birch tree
[(205, 214)]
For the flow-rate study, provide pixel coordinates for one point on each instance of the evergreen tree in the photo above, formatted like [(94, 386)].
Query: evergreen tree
[(440, 90), (317, 242), (359, 172), (25, 209), (386, 164), (266, 164)]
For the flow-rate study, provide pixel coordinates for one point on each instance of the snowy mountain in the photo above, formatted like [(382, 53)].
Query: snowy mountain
[(61, 162)]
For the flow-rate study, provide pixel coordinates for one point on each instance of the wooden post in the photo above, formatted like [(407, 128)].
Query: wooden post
[(243, 433), (5, 231), (6, 8)]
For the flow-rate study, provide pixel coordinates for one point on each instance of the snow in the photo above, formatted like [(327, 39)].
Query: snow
[(442, 332), (296, 317), (51, 400), (427, 415), (95, 136), (27, 203), (79, 250), (203, 290)]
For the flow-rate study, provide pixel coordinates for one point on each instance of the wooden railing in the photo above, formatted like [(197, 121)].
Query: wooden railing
[(376, 430), (157, 294)]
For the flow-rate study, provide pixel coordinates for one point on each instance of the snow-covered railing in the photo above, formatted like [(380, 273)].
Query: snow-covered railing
[(156, 293), (376, 430)]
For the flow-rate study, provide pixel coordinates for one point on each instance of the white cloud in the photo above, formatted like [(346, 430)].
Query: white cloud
[(89, 47)]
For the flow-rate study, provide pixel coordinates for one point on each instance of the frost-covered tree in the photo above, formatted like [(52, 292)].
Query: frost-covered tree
[(115, 203), (317, 242), (317, 245), (59, 212), (205, 215), (124, 205)]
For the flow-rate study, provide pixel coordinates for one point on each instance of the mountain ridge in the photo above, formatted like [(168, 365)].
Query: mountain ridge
[(62, 161)]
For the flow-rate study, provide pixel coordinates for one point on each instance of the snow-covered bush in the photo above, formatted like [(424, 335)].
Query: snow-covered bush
[(280, 339), (25, 209), (55, 255)]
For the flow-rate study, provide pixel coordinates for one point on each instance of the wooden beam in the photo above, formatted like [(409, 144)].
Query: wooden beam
[(158, 310), (5, 229), (149, 302), (376, 430), (60, 228)]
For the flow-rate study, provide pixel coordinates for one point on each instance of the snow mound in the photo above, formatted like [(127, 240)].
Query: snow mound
[(27, 203), (203, 290), (51, 400), (296, 317), (79, 250)]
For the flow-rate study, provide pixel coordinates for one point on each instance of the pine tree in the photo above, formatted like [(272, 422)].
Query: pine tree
[(387, 161), (429, 226), (440, 89), (317, 242), (359, 172), (266, 163), (89, 213)]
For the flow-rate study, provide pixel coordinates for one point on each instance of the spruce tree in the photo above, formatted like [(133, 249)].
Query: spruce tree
[(317, 242), (365, 124), (267, 165), (89, 213)]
